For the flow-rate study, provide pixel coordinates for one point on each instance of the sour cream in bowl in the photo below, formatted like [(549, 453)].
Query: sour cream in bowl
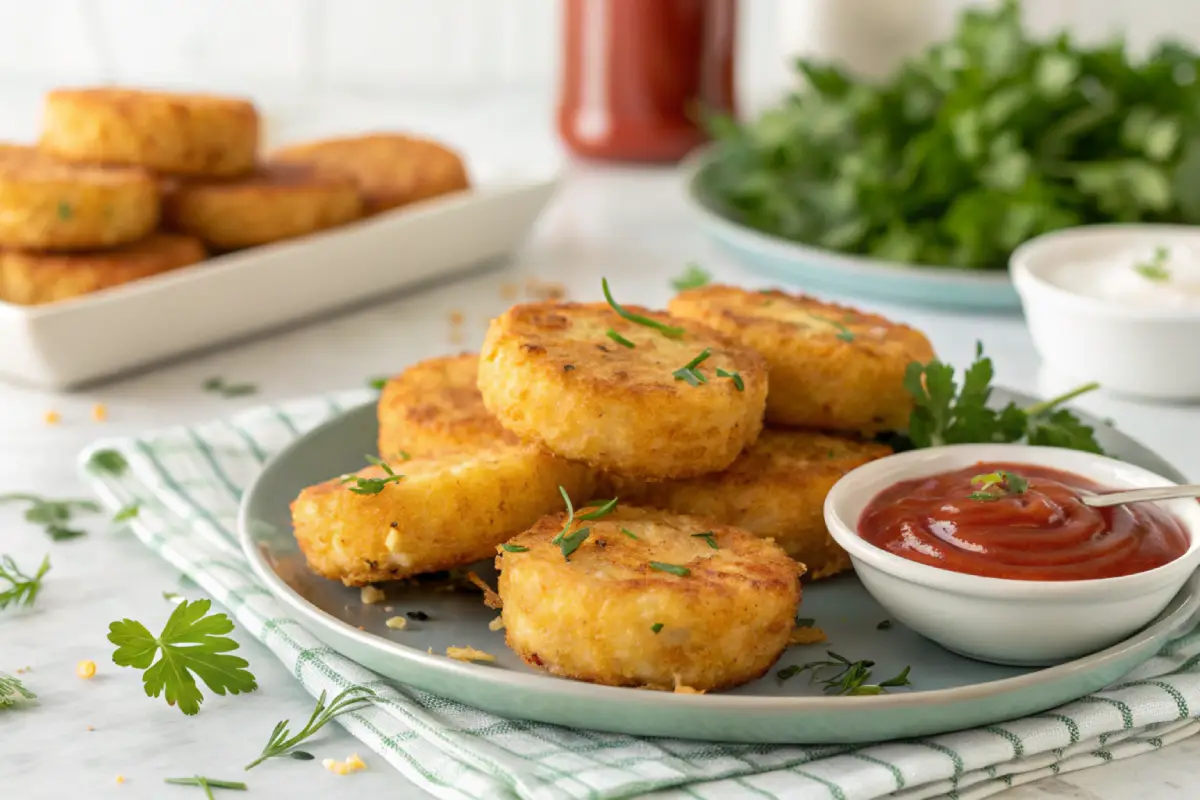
[(1117, 304)]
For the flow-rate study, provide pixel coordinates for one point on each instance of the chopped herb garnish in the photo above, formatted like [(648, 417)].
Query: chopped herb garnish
[(669, 331), (23, 589), (708, 537), (619, 339), (656, 627), (883, 626), (514, 548), (404, 455), (674, 569), (805, 622), (280, 744), (568, 367), (108, 462), (372, 485), (192, 641), (52, 515), (603, 511), (219, 386), (570, 516), (689, 372), (994, 485), (850, 677), (693, 277), (419, 616), (11, 690), (1156, 268), (207, 784), (65, 211), (127, 513), (736, 377), (630, 534), (570, 544), (377, 383)]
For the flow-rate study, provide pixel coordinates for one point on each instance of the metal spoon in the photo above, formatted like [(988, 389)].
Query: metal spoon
[(1139, 495)]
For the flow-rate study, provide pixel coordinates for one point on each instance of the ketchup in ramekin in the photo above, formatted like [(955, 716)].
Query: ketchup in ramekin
[(1020, 522)]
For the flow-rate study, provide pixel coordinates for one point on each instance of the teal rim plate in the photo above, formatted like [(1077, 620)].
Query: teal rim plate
[(949, 692), (817, 269)]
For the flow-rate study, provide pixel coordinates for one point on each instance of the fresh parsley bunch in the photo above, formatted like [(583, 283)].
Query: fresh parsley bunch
[(972, 147), (944, 413)]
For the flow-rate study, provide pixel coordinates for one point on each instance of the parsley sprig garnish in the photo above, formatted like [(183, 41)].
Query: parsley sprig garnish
[(108, 462), (280, 744), (670, 331), (52, 515), (738, 383), (850, 677), (23, 589), (689, 372), (12, 690), (372, 485), (207, 784), (693, 277), (191, 642), (1156, 268), (944, 414), (994, 485)]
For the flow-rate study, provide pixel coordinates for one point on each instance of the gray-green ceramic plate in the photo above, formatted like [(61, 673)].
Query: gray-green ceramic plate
[(949, 692)]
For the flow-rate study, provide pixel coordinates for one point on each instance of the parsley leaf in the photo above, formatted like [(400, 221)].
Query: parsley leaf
[(12, 691), (190, 644), (52, 515), (945, 414), (693, 277), (1156, 268), (23, 589), (127, 513), (108, 462), (377, 383)]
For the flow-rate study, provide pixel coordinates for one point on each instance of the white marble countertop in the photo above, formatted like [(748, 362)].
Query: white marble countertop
[(629, 225)]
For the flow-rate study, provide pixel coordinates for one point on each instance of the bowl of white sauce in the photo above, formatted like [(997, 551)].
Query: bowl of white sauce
[(1117, 304)]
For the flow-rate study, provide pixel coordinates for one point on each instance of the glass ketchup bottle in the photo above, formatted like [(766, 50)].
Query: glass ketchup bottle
[(637, 74)]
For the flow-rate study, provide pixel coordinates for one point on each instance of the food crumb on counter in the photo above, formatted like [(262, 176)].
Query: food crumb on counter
[(508, 291), (99, 412), (52, 418), (352, 764), (120, 779), (371, 595), (545, 290), (806, 635), (456, 318), (86, 669), (396, 623), (684, 689), (469, 654), (90, 728), (497, 624)]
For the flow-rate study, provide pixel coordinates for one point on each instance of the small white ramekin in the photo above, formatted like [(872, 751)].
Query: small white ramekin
[(1128, 349), (1027, 623)]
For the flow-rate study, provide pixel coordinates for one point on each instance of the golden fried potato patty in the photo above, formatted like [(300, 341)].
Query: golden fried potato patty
[(657, 406), (649, 599), (435, 407), (275, 203), (775, 489), (28, 278), (181, 134), (444, 512), (392, 169), (48, 205), (832, 367)]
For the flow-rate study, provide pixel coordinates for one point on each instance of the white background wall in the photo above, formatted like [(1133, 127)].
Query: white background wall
[(292, 54)]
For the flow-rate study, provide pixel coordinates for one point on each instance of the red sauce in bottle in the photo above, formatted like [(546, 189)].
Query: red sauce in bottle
[(983, 521), (637, 72)]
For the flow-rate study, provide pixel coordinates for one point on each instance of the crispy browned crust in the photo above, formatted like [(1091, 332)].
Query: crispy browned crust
[(274, 203), (182, 134), (592, 617), (434, 407), (775, 489), (48, 205), (28, 278), (832, 366), (392, 170), (549, 374)]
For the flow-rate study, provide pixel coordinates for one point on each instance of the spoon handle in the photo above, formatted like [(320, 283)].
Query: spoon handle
[(1141, 495)]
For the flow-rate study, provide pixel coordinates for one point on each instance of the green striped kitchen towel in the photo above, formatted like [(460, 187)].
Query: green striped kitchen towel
[(189, 480)]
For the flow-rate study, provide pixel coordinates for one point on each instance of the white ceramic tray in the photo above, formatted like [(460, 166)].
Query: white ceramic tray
[(85, 339)]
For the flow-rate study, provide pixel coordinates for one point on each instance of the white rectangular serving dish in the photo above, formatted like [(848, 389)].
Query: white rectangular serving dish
[(82, 340)]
